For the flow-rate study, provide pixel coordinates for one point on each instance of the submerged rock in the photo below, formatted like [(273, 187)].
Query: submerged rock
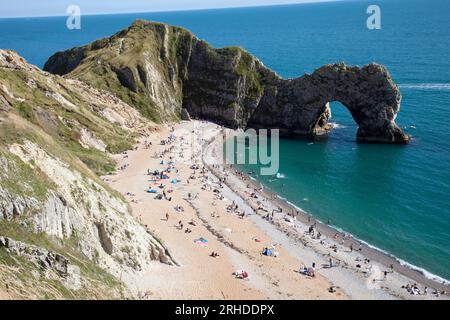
[(169, 70)]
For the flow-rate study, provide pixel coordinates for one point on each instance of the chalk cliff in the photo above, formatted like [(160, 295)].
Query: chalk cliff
[(61, 227)]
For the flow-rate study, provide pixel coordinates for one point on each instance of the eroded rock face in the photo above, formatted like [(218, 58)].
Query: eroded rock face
[(54, 211), (231, 87), (300, 107), (79, 206), (48, 261)]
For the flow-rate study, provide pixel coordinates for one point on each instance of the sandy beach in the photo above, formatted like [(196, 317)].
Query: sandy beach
[(198, 206)]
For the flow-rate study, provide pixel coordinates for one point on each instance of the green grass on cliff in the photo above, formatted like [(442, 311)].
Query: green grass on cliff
[(167, 50), (63, 122), (100, 65), (245, 68), (102, 77), (97, 284), (18, 131), (20, 178)]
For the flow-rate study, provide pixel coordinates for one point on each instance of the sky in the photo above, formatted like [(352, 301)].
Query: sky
[(32, 8)]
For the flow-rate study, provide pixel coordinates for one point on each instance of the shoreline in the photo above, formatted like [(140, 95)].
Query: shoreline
[(197, 206), (410, 272), (434, 280), (237, 234)]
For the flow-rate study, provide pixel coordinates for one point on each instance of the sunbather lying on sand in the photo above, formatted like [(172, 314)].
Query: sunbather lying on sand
[(241, 274)]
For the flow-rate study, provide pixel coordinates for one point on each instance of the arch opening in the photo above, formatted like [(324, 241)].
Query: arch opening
[(336, 123)]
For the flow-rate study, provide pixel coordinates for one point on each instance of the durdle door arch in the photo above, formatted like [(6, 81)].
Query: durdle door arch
[(301, 107), (230, 86)]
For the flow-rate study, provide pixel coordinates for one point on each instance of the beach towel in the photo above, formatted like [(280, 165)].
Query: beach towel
[(201, 242), (152, 191)]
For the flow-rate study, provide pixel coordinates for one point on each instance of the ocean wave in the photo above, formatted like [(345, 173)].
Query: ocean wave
[(296, 207), (337, 125), (425, 273), (282, 198), (425, 86)]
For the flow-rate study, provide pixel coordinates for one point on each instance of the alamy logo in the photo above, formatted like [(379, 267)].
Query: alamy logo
[(374, 20), (74, 18), (258, 147), (249, 147)]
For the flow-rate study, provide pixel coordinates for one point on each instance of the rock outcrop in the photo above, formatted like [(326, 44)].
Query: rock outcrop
[(53, 265), (78, 206), (160, 70), (300, 107)]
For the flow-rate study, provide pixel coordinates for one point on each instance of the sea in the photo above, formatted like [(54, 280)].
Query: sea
[(395, 198)]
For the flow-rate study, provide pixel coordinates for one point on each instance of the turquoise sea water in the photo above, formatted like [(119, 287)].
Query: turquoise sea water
[(397, 198)]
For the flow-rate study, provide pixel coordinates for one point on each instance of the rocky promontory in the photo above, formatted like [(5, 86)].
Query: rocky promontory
[(161, 70)]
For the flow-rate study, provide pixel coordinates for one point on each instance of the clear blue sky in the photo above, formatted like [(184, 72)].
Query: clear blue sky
[(28, 8)]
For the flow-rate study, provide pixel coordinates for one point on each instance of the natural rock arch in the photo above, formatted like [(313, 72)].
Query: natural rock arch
[(300, 107), (229, 86)]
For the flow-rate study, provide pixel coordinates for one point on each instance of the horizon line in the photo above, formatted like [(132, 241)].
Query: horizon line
[(178, 10)]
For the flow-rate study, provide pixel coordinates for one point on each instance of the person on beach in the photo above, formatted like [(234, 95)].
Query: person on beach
[(167, 217)]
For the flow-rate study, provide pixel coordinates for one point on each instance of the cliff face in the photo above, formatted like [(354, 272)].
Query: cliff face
[(301, 106), (160, 69), (61, 227)]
